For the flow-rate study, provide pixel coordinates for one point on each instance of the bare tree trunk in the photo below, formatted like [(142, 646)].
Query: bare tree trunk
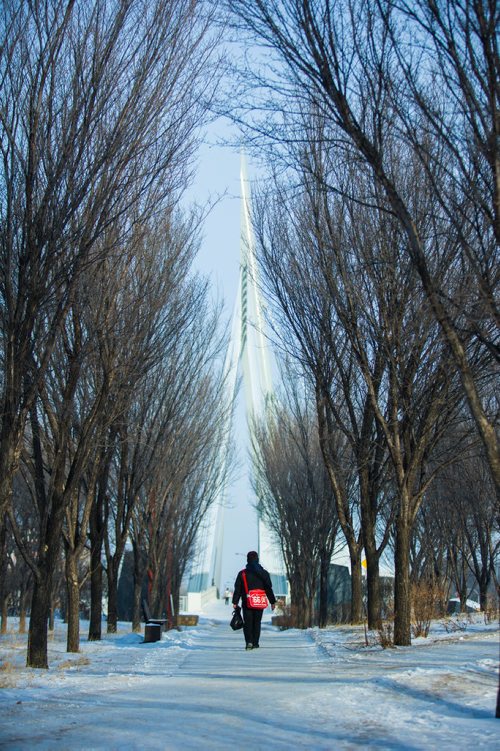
[(136, 612), (324, 567), (402, 599), (294, 605), (463, 588), (9, 458), (4, 596), (176, 586), (308, 611), (139, 571), (23, 599), (96, 539), (73, 611), (43, 589), (169, 588), (155, 599), (52, 611), (112, 576), (356, 586), (302, 598), (374, 602), (483, 581), (96, 589), (372, 569), (303, 610), (37, 635), (483, 596), (5, 614), (97, 530)]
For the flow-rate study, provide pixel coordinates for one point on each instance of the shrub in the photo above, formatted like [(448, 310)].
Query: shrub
[(491, 611), (426, 596), (386, 635), (459, 623)]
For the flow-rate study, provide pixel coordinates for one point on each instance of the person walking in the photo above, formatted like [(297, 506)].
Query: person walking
[(227, 595), (253, 586)]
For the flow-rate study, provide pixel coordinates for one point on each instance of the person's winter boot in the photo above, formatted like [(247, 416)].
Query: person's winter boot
[(249, 646)]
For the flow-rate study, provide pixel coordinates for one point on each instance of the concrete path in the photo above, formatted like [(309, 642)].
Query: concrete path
[(199, 689)]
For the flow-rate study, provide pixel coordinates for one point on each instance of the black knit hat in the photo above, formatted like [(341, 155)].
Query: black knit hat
[(252, 556)]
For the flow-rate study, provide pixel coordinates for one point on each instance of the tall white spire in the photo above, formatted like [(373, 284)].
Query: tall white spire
[(254, 346), (249, 351)]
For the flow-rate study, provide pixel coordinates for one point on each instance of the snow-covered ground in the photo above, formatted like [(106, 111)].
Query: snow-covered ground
[(199, 689)]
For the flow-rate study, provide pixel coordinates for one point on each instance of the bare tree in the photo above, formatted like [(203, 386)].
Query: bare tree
[(99, 108), (97, 530), (470, 523), (301, 314), (373, 69), (339, 274), (153, 312), (179, 515), (296, 500), (185, 421), (5, 566), (64, 426), (100, 105)]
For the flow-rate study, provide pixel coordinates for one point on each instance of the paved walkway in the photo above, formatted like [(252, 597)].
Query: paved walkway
[(211, 695), (254, 699), (201, 690)]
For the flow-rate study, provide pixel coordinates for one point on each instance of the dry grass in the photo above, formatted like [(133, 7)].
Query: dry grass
[(7, 674), (79, 662), (386, 635), (284, 617)]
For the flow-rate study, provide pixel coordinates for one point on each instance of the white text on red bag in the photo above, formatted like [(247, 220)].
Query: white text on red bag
[(256, 598)]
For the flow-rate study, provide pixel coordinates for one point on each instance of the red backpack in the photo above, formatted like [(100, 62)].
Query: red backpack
[(256, 598)]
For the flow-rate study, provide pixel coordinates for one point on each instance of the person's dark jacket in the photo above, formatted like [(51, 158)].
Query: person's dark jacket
[(257, 578)]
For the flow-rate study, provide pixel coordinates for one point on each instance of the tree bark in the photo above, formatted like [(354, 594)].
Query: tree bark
[(483, 596), (43, 587), (5, 613), (96, 589), (52, 612), (22, 610), (4, 596), (139, 573), (96, 540), (73, 612), (112, 599), (136, 613), (171, 613), (9, 458), (304, 610), (39, 615), (356, 586), (324, 568), (402, 599), (373, 605), (374, 602)]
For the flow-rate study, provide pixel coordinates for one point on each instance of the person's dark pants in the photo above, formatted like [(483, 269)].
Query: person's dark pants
[(251, 625)]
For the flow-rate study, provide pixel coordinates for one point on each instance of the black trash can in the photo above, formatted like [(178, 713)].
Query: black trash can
[(152, 632)]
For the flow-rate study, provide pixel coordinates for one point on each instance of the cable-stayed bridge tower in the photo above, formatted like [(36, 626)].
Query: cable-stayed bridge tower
[(248, 359)]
